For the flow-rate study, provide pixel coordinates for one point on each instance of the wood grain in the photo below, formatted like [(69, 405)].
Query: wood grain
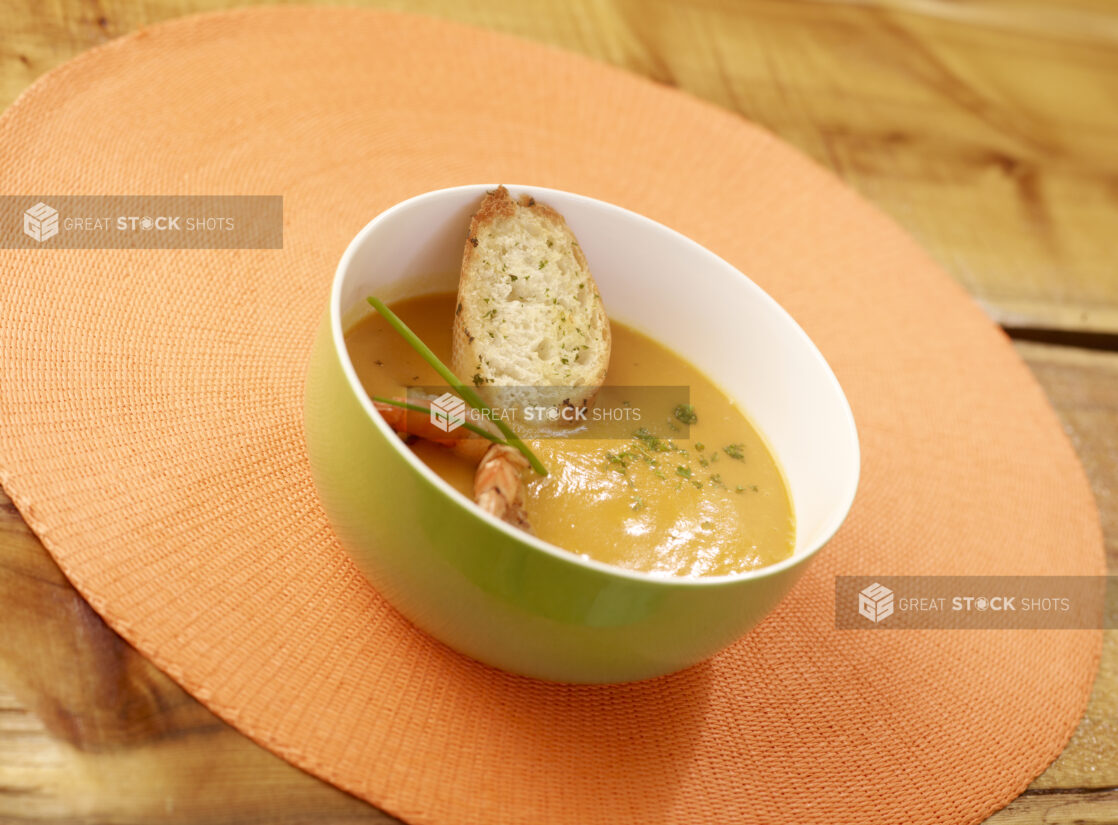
[(986, 128), (1083, 387), (1084, 807)]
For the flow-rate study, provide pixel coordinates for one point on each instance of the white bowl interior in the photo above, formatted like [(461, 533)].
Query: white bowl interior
[(667, 286)]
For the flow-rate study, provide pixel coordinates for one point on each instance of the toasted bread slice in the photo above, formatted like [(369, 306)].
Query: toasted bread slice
[(529, 313)]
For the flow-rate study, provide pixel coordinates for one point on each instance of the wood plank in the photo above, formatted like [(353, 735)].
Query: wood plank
[(1083, 387), (987, 129), (1086, 807)]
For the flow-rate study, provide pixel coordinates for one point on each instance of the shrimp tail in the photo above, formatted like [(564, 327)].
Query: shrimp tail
[(413, 423), (499, 485)]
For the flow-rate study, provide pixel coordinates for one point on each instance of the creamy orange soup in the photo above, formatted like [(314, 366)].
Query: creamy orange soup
[(711, 503)]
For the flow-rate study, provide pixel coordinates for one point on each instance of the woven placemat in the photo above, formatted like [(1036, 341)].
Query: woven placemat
[(151, 435)]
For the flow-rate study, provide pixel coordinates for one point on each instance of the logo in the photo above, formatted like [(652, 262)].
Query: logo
[(876, 602), (448, 412), (40, 222)]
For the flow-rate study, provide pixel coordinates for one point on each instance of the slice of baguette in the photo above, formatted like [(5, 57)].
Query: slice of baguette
[(528, 311)]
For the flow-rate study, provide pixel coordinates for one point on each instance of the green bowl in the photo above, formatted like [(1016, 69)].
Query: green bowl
[(507, 598)]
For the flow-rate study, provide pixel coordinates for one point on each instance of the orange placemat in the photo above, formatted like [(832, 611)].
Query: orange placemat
[(150, 433)]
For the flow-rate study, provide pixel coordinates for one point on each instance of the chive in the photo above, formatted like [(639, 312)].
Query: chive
[(474, 428), (468, 395)]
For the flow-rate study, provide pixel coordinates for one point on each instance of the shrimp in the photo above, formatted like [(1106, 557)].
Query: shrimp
[(499, 479), (464, 443), (499, 485)]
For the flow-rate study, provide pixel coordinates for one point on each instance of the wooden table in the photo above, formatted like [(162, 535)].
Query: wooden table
[(988, 129)]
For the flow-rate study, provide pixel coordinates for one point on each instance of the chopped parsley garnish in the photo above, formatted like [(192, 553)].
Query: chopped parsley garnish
[(683, 471), (685, 414), (617, 463), (652, 442), (735, 451)]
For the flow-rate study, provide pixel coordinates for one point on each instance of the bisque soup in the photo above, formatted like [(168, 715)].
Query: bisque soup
[(708, 501)]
